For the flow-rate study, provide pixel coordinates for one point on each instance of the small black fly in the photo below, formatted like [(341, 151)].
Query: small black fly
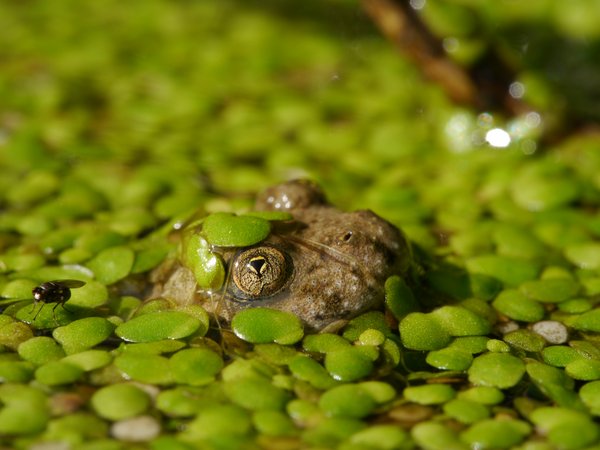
[(56, 291)]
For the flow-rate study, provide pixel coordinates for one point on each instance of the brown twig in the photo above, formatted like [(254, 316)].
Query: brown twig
[(484, 86)]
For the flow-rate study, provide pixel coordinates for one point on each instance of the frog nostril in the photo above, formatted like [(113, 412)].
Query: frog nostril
[(346, 237)]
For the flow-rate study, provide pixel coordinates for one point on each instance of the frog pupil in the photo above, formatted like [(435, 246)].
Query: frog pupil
[(258, 265)]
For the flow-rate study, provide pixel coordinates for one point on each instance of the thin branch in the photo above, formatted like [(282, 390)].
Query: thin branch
[(484, 86), (399, 23)]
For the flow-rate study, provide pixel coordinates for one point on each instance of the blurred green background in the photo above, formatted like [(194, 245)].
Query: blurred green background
[(241, 94)]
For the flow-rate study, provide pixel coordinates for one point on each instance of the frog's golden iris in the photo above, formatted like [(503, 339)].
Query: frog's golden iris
[(260, 272)]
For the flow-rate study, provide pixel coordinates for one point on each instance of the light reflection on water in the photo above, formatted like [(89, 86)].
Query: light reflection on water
[(516, 89), (466, 132), (417, 4), (497, 137)]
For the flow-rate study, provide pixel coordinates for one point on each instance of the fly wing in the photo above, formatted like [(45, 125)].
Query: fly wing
[(71, 284)]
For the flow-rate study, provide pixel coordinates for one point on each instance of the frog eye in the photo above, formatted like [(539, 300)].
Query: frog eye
[(260, 271)]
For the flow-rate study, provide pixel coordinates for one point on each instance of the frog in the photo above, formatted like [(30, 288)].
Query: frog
[(322, 264)]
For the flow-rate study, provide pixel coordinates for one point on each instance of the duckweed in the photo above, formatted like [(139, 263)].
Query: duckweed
[(182, 401), (559, 355), (525, 340), (22, 420), (459, 321), (92, 295), (221, 420), (511, 271), (40, 350), (431, 394), (373, 320), (112, 264), (585, 255), (384, 437), (195, 366), (120, 159), (449, 359), (308, 369), (156, 326), (332, 431), (147, 368), (90, 359), (16, 371), (256, 394), (515, 305), (436, 436), (588, 321), (81, 426), (228, 230), (207, 267), (324, 343), (470, 344), (422, 332), (551, 290), (58, 372), (273, 423), (590, 395), (155, 348), (82, 334), (13, 334), (348, 400), (25, 410), (348, 364), (262, 325), (498, 346), (585, 349), (486, 395), (492, 433), (583, 369), (120, 401), (466, 411), (566, 428), (399, 298), (496, 369), (371, 337)]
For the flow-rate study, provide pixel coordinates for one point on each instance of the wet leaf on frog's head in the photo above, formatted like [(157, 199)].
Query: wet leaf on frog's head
[(207, 267), (229, 230)]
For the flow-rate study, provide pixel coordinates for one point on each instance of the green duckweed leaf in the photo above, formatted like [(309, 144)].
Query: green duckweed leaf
[(112, 264), (120, 401), (83, 333), (228, 230), (420, 331), (195, 366), (157, 326), (496, 369), (207, 267), (263, 325)]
